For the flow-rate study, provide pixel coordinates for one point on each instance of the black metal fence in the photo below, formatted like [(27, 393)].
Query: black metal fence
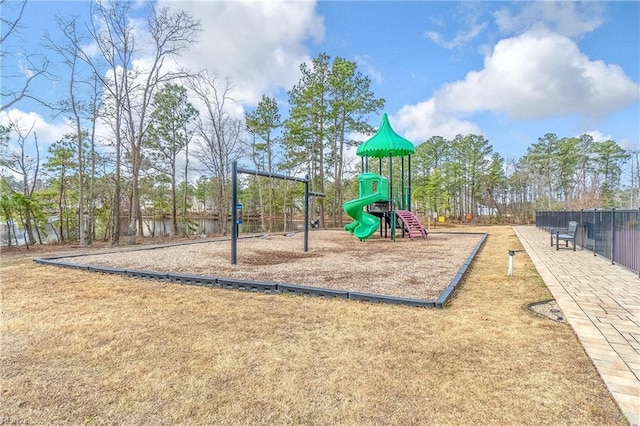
[(614, 234)]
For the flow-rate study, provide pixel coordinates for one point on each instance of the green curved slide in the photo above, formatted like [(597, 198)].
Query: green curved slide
[(364, 224)]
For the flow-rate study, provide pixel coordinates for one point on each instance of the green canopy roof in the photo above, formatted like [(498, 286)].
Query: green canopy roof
[(386, 142)]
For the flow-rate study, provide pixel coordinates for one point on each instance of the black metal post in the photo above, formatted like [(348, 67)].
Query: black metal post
[(269, 175), (234, 212), (402, 190), (613, 235), (595, 240), (409, 185), (584, 231), (393, 208), (306, 213)]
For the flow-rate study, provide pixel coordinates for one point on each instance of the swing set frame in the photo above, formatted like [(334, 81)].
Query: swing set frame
[(235, 170)]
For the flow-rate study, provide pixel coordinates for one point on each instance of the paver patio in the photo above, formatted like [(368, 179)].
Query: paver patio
[(601, 301)]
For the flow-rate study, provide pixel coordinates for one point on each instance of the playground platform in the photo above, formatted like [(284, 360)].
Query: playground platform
[(601, 302)]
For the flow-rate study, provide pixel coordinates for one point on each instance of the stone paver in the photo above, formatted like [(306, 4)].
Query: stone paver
[(601, 302)]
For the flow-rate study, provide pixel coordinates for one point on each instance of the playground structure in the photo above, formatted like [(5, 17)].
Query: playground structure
[(376, 192)]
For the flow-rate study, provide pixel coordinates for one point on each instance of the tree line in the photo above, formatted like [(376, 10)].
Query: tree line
[(153, 141), (466, 176)]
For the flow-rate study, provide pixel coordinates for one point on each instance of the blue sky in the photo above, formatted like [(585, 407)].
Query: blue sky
[(509, 71)]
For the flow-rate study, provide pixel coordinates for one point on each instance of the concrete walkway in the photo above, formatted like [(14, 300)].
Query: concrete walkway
[(601, 302)]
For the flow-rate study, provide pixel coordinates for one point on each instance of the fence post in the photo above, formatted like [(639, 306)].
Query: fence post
[(613, 234), (582, 232), (595, 240), (306, 213)]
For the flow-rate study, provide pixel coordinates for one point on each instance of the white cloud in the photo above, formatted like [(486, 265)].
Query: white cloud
[(364, 62), (468, 17), (539, 75), (461, 37), (569, 18), (421, 121), (260, 45), (598, 136), (91, 49), (46, 132), (25, 68)]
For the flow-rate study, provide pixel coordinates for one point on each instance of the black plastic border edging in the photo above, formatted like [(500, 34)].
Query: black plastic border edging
[(151, 275), (107, 270), (248, 285), (302, 290), (448, 291), (200, 280), (391, 299), (54, 261), (279, 288)]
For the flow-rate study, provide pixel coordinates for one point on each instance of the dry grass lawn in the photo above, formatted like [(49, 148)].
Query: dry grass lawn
[(80, 347)]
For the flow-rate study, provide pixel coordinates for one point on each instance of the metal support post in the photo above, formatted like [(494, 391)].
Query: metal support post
[(234, 211), (306, 214), (613, 235), (510, 270)]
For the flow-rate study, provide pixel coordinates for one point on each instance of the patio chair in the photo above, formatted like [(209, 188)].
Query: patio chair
[(566, 235)]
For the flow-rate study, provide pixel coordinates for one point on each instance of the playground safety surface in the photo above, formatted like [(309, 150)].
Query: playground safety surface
[(414, 269)]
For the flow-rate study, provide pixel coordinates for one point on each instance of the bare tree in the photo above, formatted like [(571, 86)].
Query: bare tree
[(130, 88), (33, 65), (93, 115), (172, 32), (70, 51), (113, 36), (9, 25), (27, 166), (219, 136)]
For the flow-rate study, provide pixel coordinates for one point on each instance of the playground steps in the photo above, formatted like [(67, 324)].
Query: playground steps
[(411, 224)]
